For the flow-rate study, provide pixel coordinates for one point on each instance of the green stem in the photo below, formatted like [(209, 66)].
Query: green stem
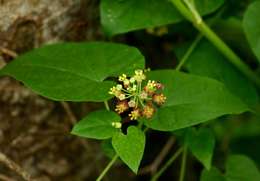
[(188, 52), (106, 105), (167, 164), (217, 42), (146, 129), (194, 12), (195, 43), (183, 10), (183, 164), (107, 168), (228, 53)]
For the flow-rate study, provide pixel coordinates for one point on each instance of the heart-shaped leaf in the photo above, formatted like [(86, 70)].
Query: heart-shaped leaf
[(238, 168), (130, 147), (74, 71), (97, 125), (120, 16), (191, 100), (220, 69), (201, 143), (251, 24)]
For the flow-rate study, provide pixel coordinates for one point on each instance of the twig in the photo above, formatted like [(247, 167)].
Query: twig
[(15, 167), (73, 121), (167, 164), (9, 52), (69, 112), (38, 147), (183, 164), (5, 178), (153, 167)]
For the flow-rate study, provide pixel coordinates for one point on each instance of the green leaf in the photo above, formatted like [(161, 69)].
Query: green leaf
[(238, 168), (74, 71), (207, 61), (241, 168), (191, 100), (120, 16), (130, 147), (97, 125), (251, 24), (201, 143), (212, 175), (248, 146)]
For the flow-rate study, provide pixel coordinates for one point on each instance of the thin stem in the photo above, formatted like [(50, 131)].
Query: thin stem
[(129, 96), (167, 164), (146, 129), (106, 105), (153, 167), (183, 164), (216, 41), (126, 91), (183, 10), (107, 168), (228, 53), (192, 8), (195, 43), (188, 52), (15, 167)]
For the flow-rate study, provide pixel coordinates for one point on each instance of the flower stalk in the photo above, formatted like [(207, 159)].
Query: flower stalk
[(188, 10)]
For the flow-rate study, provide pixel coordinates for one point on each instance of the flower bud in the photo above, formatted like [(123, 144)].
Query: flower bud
[(143, 95), (131, 103), (117, 125), (159, 86), (121, 97)]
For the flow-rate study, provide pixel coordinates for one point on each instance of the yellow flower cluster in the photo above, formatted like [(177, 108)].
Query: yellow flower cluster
[(136, 96)]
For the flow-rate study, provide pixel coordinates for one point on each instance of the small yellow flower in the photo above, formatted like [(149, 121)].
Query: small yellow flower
[(135, 114), (122, 77), (126, 82), (121, 107), (114, 91), (148, 111), (132, 80), (139, 76), (150, 87), (151, 84), (159, 99), (121, 97), (132, 89), (139, 72), (119, 87)]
